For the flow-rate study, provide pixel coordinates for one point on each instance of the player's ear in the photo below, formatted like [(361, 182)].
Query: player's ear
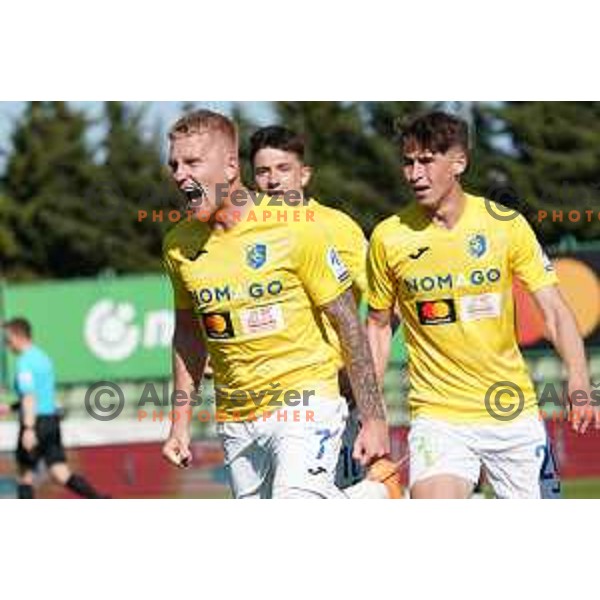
[(460, 162), (232, 164), (306, 175)]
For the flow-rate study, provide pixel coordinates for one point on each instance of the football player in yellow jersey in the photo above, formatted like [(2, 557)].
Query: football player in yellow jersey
[(277, 155), (252, 292), (449, 264)]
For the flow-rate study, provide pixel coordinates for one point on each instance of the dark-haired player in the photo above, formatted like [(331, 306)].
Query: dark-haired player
[(449, 265), (278, 157)]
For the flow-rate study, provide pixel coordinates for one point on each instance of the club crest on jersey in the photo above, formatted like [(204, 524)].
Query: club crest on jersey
[(256, 255), (477, 245)]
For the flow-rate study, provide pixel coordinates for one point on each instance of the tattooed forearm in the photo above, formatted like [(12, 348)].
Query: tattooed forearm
[(343, 315)]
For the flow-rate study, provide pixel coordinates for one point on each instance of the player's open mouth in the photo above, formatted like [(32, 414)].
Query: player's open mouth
[(421, 190), (194, 194)]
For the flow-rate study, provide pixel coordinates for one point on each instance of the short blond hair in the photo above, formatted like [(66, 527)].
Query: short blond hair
[(201, 121)]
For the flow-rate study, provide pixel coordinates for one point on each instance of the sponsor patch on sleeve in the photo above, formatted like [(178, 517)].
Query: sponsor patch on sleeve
[(264, 319), (480, 306), (337, 265)]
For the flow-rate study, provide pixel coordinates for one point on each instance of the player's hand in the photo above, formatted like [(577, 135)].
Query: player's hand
[(583, 411), (176, 449), (372, 442), (4, 410), (29, 440)]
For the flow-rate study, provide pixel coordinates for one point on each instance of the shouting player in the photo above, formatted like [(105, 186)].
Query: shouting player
[(278, 162), (450, 266), (251, 291)]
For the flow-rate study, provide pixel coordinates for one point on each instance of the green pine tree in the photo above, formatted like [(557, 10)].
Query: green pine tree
[(10, 249), (552, 161), (50, 173), (135, 179), (355, 157)]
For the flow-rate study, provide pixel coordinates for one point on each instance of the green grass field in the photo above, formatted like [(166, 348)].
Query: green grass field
[(581, 488), (571, 490)]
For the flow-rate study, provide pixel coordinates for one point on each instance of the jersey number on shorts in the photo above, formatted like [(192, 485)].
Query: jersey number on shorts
[(325, 435), (549, 480)]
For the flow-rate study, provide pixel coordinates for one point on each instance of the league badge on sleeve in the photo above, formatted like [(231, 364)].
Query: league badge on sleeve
[(337, 266), (548, 265), (256, 255)]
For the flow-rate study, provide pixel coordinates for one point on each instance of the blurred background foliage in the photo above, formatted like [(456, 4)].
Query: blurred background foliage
[(69, 201)]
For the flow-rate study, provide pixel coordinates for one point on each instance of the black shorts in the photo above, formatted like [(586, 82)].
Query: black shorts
[(49, 447)]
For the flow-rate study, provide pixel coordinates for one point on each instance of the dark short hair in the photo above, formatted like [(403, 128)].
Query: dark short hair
[(19, 326), (278, 138), (436, 131)]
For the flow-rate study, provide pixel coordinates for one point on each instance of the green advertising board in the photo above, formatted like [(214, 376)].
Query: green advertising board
[(110, 328), (107, 328)]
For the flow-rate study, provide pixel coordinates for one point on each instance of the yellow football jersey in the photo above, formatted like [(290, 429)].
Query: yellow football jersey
[(256, 289), (454, 291), (349, 240), (351, 244)]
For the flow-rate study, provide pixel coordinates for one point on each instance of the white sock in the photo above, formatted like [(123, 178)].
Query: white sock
[(367, 490)]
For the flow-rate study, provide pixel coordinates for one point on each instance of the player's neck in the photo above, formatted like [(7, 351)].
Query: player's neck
[(24, 346), (449, 209), (231, 214)]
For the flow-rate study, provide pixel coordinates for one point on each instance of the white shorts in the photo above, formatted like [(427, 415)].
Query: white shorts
[(349, 471), (511, 454), (278, 457)]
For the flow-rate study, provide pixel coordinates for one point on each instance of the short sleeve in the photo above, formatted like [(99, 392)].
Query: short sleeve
[(352, 246), (380, 285), (24, 380), (182, 297), (350, 243), (358, 261), (319, 266), (528, 261)]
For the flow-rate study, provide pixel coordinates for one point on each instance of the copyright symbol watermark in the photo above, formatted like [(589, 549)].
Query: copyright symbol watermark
[(504, 401), (496, 199), (104, 401)]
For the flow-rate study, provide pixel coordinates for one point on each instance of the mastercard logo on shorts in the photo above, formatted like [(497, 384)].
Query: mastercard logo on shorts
[(218, 326), (436, 312)]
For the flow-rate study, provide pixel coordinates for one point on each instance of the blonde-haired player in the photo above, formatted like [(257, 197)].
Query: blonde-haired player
[(252, 293)]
